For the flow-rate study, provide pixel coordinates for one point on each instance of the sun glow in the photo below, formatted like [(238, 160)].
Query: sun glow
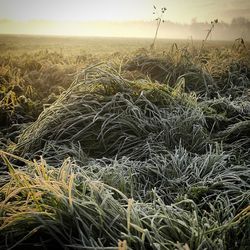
[(104, 17)]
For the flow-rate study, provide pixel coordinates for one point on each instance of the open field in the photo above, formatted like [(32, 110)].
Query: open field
[(108, 145), (14, 44)]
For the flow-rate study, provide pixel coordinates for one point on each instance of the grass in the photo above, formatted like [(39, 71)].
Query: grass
[(110, 116), (148, 151), (61, 203)]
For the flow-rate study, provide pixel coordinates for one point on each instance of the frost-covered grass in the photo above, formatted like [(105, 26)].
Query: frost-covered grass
[(150, 151)]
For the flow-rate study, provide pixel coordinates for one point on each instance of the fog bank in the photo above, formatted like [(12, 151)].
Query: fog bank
[(239, 27)]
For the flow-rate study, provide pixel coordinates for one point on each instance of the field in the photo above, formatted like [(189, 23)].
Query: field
[(108, 145)]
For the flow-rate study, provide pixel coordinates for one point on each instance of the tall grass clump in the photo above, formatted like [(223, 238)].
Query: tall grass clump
[(210, 73), (110, 116)]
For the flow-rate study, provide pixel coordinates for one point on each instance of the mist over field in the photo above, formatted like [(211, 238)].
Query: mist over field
[(238, 27)]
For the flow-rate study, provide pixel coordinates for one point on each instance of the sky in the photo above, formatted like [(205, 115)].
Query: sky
[(101, 17), (182, 11)]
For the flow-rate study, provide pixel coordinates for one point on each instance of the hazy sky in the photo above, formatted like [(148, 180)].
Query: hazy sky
[(178, 10)]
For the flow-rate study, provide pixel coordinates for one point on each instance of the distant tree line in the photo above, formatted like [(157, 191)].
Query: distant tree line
[(239, 27)]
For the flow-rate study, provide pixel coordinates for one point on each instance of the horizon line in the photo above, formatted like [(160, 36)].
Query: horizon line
[(108, 37), (221, 21)]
